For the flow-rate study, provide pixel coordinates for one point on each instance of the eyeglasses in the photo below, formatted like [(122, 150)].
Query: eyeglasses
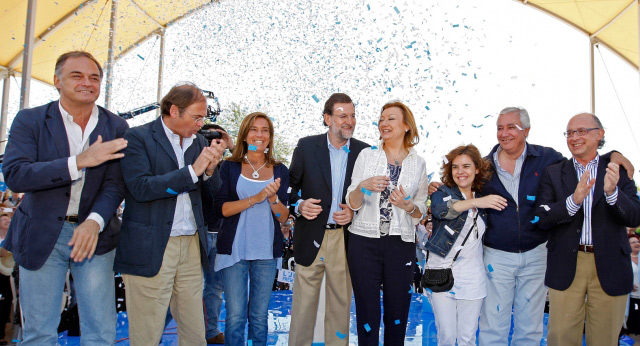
[(580, 132), (198, 120)]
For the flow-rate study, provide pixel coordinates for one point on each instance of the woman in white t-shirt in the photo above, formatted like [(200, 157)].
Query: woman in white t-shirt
[(459, 223)]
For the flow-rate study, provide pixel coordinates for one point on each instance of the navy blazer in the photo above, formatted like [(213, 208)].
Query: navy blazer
[(608, 227), (35, 162), (310, 173), (229, 174), (153, 180)]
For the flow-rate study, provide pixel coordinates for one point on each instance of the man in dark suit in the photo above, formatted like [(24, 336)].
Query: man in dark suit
[(64, 156), (586, 203), (163, 244), (321, 170)]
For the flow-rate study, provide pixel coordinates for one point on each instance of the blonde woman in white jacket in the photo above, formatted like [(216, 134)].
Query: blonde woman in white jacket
[(388, 192)]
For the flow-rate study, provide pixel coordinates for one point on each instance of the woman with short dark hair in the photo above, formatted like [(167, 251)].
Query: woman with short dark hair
[(459, 222)]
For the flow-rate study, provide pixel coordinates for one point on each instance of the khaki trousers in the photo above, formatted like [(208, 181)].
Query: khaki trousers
[(585, 300), (332, 262), (179, 283)]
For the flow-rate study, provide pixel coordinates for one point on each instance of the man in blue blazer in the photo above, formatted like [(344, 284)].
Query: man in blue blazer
[(586, 203), (163, 244), (64, 156)]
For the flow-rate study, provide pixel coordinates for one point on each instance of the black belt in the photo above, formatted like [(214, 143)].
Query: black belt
[(332, 226), (586, 248), (71, 218)]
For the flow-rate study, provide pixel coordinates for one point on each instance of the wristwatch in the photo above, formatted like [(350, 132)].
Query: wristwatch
[(276, 201)]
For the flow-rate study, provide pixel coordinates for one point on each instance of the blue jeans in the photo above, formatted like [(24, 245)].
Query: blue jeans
[(41, 295), (259, 275), (517, 279), (212, 293)]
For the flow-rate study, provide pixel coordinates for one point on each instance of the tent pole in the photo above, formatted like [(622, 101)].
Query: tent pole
[(4, 114), (111, 54), (160, 68), (593, 77), (27, 54)]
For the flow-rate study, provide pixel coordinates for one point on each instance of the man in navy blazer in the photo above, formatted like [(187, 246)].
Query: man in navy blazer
[(586, 203), (163, 243), (320, 173), (64, 156)]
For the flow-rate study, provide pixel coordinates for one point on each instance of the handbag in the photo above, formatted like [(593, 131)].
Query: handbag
[(441, 279)]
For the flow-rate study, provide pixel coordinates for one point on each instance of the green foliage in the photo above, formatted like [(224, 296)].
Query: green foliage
[(231, 118)]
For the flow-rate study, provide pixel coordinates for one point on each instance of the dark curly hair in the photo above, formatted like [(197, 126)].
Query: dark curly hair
[(483, 166)]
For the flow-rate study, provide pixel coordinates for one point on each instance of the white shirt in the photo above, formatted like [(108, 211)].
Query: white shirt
[(413, 178), (78, 143), (469, 276), (184, 222)]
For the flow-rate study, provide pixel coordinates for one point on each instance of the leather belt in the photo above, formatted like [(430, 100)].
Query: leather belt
[(71, 218), (332, 226), (586, 248)]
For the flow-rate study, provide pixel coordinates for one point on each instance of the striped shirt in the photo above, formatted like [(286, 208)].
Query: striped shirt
[(586, 237), (510, 182)]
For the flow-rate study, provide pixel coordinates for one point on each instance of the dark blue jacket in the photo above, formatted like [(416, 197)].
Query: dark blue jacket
[(442, 240), (153, 179), (35, 163), (229, 174), (608, 228), (511, 229)]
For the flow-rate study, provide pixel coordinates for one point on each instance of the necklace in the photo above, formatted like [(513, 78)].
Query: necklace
[(395, 159), (255, 173)]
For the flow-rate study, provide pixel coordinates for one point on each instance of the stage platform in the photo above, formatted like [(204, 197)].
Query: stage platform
[(421, 328)]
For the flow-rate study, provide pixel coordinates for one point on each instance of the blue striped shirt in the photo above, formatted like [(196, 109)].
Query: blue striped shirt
[(338, 158), (572, 207), (510, 182)]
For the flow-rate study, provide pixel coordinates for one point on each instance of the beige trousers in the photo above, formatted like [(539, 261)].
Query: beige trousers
[(332, 262), (585, 300), (179, 283)]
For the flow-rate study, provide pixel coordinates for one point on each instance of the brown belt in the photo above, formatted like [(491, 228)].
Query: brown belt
[(586, 248)]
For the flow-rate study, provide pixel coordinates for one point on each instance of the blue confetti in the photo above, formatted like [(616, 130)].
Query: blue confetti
[(250, 343), (299, 193), (488, 115), (295, 204), (452, 292), (475, 76), (345, 148), (253, 147), (456, 25), (429, 176), (407, 198), (278, 215), (340, 335), (397, 321), (315, 98), (410, 289), (140, 56), (396, 9), (366, 192), (171, 191), (427, 107), (460, 133), (490, 268), (428, 290), (439, 87), (477, 126), (322, 258), (375, 123), (368, 7), (366, 327), (531, 198), (498, 307), (535, 219), (373, 147)]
